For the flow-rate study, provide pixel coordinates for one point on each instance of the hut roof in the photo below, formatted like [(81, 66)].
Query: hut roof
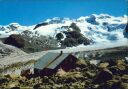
[(50, 60)]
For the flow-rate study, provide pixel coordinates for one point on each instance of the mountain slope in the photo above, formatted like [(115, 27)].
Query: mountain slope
[(7, 50), (98, 28)]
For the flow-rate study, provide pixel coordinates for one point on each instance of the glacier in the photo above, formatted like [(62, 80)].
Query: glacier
[(102, 28)]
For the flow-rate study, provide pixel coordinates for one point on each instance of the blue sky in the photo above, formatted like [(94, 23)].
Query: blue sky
[(29, 12)]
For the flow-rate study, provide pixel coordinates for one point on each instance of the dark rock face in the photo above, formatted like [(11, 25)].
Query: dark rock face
[(38, 43), (112, 27), (59, 36), (126, 32), (75, 27), (28, 42), (15, 40), (92, 20), (74, 37), (41, 24)]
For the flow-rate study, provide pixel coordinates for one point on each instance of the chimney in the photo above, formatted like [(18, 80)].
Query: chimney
[(61, 52)]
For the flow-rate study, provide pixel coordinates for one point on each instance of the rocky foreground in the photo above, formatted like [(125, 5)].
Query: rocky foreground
[(108, 74)]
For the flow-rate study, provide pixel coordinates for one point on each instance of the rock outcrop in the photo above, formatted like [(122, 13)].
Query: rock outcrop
[(15, 40), (126, 31)]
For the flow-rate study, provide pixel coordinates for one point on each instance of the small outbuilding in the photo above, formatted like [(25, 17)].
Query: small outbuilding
[(51, 62)]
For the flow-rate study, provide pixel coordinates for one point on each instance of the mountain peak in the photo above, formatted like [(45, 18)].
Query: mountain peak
[(14, 24), (99, 28)]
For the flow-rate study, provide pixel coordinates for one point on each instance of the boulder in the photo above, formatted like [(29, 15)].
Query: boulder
[(114, 84), (12, 85), (37, 86), (103, 76), (124, 78), (82, 63), (111, 84), (12, 76), (111, 62), (90, 74), (94, 62), (3, 80), (124, 85), (61, 72), (114, 70), (103, 65), (121, 67), (120, 62)]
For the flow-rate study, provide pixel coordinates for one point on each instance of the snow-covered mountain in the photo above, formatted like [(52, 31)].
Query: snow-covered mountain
[(99, 28)]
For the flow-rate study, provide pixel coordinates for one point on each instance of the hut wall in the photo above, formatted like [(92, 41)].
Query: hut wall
[(44, 72), (68, 64)]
